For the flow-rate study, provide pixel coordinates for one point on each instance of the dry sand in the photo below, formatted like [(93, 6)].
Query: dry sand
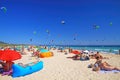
[(59, 67)]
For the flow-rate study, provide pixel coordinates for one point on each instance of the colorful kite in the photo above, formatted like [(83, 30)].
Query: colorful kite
[(31, 40), (34, 32), (62, 22), (4, 9), (96, 26), (48, 31), (74, 39), (110, 23)]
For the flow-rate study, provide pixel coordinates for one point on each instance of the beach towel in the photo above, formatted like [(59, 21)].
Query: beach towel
[(7, 72), (112, 71)]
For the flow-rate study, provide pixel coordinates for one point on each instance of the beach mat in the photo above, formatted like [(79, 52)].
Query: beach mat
[(113, 71)]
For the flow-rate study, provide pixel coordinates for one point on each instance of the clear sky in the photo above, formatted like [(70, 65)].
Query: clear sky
[(39, 21)]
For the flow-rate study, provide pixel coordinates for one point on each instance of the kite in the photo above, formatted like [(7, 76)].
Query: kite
[(47, 31), (74, 39), (52, 40), (75, 34), (34, 32), (31, 40), (96, 40), (4, 9), (110, 23), (102, 40), (62, 22), (96, 26)]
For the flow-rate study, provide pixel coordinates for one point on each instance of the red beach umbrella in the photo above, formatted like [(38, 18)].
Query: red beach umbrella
[(9, 55), (1, 51), (75, 52)]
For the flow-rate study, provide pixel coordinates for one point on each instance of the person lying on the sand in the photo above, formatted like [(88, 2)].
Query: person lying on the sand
[(81, 56), (77, 56), (29, 64), (99, 65), (97, 55)]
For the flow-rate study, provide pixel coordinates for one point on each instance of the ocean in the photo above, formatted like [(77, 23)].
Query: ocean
[(101, 48)]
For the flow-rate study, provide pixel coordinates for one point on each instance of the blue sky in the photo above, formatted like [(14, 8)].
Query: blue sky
[(24, 17)]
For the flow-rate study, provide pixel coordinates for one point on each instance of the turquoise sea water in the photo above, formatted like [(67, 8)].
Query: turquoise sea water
[(106, 48), (109, 49)]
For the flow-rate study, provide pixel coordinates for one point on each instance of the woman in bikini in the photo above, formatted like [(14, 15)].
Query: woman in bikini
[(99, 65)]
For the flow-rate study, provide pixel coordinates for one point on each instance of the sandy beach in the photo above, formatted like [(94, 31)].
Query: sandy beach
[(59, 67), (59, 39)]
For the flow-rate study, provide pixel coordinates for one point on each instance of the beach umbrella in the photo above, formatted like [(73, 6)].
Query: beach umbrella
[(10, 55), (1, 51), (86, 51), (75, 52)]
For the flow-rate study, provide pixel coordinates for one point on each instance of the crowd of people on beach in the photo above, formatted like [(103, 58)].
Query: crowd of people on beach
[(98, 65), (6, 66)]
